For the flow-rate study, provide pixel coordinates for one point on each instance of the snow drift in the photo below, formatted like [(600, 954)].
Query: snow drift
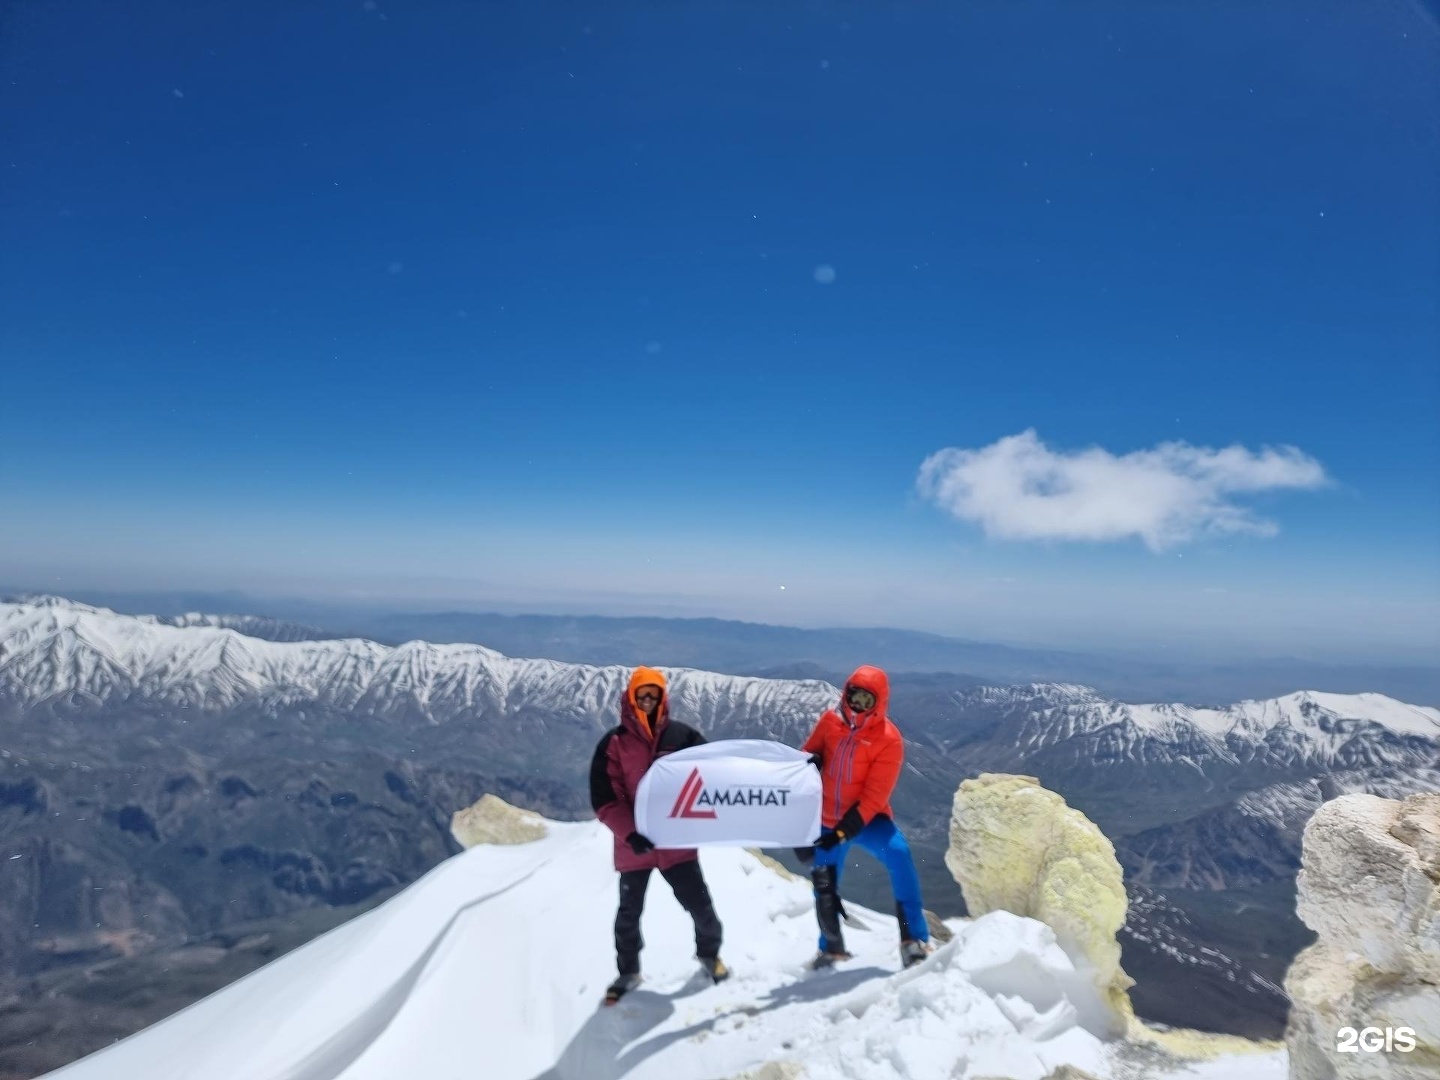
[(493, 965)]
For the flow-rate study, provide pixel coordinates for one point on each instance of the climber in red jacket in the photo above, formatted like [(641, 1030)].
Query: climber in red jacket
[(859, 752)]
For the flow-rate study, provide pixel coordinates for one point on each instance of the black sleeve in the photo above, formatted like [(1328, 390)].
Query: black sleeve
[(602, 791), (677, 736)]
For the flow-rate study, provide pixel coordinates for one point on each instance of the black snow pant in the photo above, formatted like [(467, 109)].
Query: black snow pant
[(688, 884)]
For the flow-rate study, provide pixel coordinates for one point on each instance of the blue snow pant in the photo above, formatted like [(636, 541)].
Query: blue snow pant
[(887, 843)]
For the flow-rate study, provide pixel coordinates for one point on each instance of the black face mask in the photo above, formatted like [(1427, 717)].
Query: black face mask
[(859, 699)]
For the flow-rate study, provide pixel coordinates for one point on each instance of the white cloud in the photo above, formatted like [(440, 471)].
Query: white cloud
[(1019, 489)]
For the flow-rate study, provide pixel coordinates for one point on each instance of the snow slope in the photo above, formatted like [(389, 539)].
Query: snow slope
[(492, 965)]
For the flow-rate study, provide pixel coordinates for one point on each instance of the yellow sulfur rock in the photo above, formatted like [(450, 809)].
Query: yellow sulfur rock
[(1016, 846)]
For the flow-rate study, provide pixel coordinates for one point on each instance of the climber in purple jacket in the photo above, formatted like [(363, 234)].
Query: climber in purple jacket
[(646, 732)]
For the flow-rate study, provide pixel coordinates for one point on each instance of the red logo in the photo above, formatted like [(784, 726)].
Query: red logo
[(685, 805)]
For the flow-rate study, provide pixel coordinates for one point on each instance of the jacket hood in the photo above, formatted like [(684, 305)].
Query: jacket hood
[(632, 716), (878, 683)]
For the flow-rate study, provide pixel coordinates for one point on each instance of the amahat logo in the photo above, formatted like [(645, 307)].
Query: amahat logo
[(698, 801)]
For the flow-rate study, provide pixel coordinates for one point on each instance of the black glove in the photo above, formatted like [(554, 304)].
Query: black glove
[(817, 761), (805, 854), (844, 829), (641, 845)]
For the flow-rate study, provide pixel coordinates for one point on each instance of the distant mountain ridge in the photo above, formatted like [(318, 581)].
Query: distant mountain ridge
[(256, 626), (54, 653), (747, 648), (208, 777), (66, 656), (1305, 728)]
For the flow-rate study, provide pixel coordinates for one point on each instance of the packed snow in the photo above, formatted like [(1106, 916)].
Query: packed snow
[(494, 965)]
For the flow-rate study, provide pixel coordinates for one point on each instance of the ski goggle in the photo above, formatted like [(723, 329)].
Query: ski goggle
[(648, 695), (859, 699)]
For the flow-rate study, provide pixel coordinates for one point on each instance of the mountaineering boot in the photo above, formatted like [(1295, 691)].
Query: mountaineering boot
[(622, 985), (715, 968), (822, 960), (912, 951), (828, 909)]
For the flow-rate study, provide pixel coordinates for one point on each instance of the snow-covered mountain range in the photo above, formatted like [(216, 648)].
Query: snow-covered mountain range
[(1306, 729), (256, 626), (492, 965), (54, 653), (194, 777), (1256, 838)]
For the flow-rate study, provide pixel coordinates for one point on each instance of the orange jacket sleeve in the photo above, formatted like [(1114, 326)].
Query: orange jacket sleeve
[(880, 780)]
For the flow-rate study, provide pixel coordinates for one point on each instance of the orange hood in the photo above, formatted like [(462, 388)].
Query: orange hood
[(878, 683), (646, 676)]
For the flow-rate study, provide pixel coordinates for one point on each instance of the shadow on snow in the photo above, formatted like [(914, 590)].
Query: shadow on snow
[(598, 1050)]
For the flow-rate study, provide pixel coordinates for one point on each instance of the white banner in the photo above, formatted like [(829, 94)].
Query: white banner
[(735, 793)]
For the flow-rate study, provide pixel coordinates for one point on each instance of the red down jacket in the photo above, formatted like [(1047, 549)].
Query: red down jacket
[(861, 754)]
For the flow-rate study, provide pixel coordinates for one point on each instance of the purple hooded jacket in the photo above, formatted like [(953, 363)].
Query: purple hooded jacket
[(621, 759)]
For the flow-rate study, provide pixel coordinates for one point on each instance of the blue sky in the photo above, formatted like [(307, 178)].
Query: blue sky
[(518, 304)]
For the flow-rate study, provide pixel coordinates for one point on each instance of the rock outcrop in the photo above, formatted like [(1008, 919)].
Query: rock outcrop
[(492, 820), (1370, 888), (1017, 847)]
